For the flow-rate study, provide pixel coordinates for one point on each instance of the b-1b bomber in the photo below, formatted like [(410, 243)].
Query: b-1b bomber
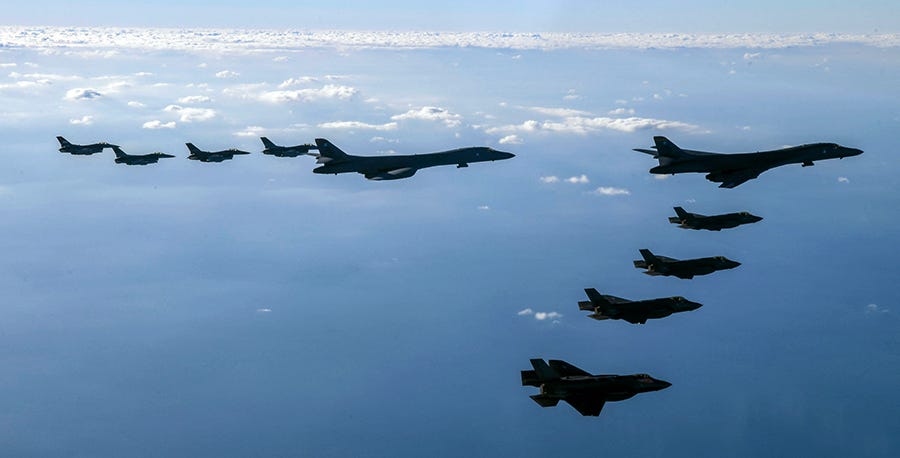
[(684, 269), (607, 307)]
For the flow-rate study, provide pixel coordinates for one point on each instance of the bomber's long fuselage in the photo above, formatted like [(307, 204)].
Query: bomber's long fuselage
[(370, 164), (699, 161)]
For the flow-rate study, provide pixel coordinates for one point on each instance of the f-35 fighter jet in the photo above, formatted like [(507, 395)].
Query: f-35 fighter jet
[(286, 151), (198, 154), (399, 166), (686, 269), (137, 159), (733, 169), (615, 308), (689, 220), (66, 147), (561, 381)]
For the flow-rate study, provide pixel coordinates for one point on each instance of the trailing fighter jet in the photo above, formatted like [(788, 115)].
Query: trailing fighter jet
[(137, 159), (561, 381), (66, 147), (399, 166), (733, 169), (615, 308), (212, 156), (689, 220), (286, 151), (686, 269)]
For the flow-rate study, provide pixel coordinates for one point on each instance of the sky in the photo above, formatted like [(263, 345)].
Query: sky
[(252, 307)]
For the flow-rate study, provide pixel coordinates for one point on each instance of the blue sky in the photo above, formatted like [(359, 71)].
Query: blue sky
[(254, 308)]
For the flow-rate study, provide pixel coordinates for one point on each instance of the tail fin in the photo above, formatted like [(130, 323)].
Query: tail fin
[(119, 152), (665, 147), (596, 298), (193, 149), (328, 152), (648, 256), (542, 371), (267, 143), (63, 141), (681, 213)]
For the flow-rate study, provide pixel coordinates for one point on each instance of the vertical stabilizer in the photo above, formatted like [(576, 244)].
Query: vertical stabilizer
[(268, 144)]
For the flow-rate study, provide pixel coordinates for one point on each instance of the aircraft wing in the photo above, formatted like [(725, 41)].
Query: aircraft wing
[(589, 406), (390, 174), (733, 178), (565, 369)]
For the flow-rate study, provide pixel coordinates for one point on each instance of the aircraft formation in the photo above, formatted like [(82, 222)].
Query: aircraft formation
[(557, 379)]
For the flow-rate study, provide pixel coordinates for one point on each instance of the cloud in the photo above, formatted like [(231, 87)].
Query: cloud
[(621, 111), (611, 191), (136, 104), (571, 95), (512, 139), (843, 180), (583, 125), (297, 81), (559, 112), (263, 310), (280, 59), (484, 207), (44, 76), (751, 55), (84, 121), (329, 91), (549, 179), (8, 65), (195, 99), (431, 114), (251, 131), (227, 74), (382, 139), (525, 312), (583, 179), (541, 316), (191, 114), (82, 94), (157, 124), (357, 125), (875, 308)]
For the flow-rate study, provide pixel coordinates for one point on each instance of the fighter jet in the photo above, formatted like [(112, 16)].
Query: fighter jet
[(212, 156), (612, 307), (399, 166), (689, 220), (286, 151), (66, 147), (686, 269), (561, 381), (137, 159), (733, 169)]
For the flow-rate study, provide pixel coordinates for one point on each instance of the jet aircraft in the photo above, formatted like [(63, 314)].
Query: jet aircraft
[(733, 169), (137, 159), (689, 220), (612, 307), (685, 269), (212, 156), (71, 148), (286, 151), (398, 166), (561, 381)]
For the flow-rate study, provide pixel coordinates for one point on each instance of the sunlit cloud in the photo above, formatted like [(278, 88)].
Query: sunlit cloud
[(525, 312), (611, 191), (83, 121), (357, 125), (430, 114), (136, 104), (195, 99), (157, 124), (512, 139), (549, 179), (329, 91), (875, 308), (82, 94), (582, 125), (227, 74), (583, 179), (251, 131), (843, 180), (191, 114), (559, 112)]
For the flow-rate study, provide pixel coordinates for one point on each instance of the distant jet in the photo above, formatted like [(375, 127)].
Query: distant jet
[(615, 308), (66, 147), (212, 156), (561, 381), (686, 269), (286, 151), (689, 220), (137, 159), (398, 166), (733, 169)]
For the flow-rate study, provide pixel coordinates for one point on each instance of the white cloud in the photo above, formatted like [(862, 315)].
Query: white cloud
[(583, 125), (541, 316), (329, 91), (525, 312), (559, 112), (751, 55), (484, 207), (621, 111), (297, 81), (83, 121), (44, 76), (8, 65), (571, 95), (611, 191), (251, 131), (227, 74), (195, 99), (377, 139), (843, 180), (157, 124), (550, 179), (136, 104), (583, 179), (264, 310), (512, 139), (82, 94), (431, 114), (357, 125), (191, 114), (875, 308), (280, 59)]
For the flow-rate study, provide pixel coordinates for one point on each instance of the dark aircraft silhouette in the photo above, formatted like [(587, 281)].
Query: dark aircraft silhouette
[(689, 220), (399, 166), (286, 151), (66, 147), (615, 308), (212, 156), (561, 381), (137, 159), (686, 269), (733, 169)]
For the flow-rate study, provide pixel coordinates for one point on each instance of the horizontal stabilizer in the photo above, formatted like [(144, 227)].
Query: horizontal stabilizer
[(544, 401), (530, 378), (586, 305)]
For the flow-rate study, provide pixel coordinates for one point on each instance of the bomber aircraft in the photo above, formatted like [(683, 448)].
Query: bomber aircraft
[(733, 169), (198, 154), (286, 151), (561, 381), (685, 269), (611, 307), (83, 150), (395, 167), (689, 220), (137, 159)]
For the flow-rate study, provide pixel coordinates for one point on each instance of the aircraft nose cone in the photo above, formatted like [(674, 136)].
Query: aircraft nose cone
[(733, 264), (662, 384), (505, 155)]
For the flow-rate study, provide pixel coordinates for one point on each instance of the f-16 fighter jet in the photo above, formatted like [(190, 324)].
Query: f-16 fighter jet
[(198, 154), (733, 169), (689, 220), (686, 269), (615, 308), (66, 147), (286, 151), (137, 159), (561, 381), (398, 166)]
